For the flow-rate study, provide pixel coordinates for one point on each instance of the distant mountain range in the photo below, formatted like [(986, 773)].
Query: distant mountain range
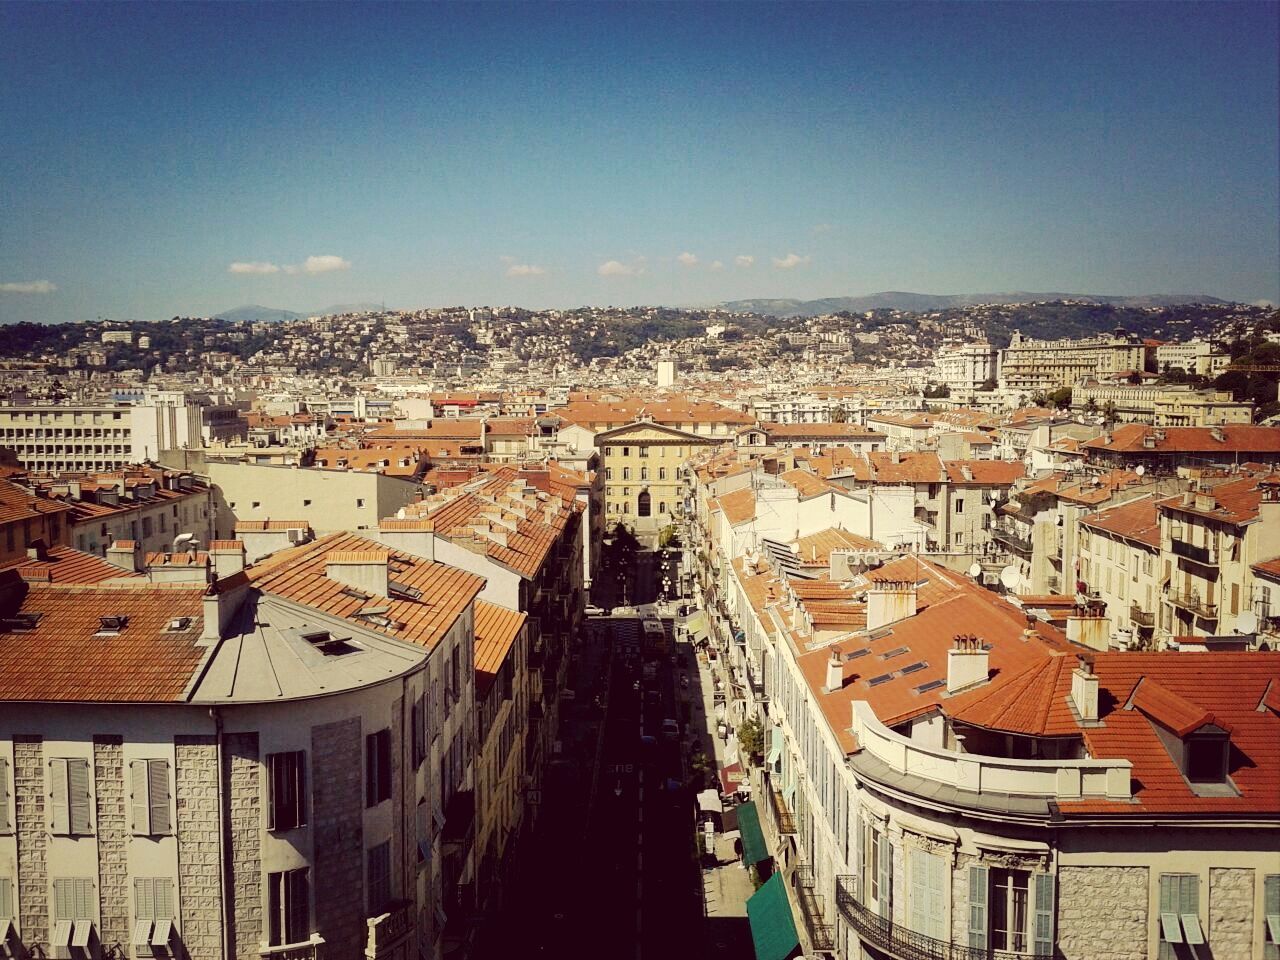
[(921, 302), (273, 315)]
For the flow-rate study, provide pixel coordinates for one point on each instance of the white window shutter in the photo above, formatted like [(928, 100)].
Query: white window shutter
[(144, 901), (138, 803), (1043, 930), (85, 900), (163, 892), (886, 877), (158, 795), (58, 800), (272, 790), (6, 901), (78, 786), (978, 907), (5, 826), (939, 885), (919, 890), (64, 899)]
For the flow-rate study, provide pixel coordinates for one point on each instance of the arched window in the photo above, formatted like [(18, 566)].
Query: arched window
[(643, 506)]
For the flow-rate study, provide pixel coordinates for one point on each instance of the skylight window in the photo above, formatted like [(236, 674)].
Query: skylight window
[(23, 622), (178, 624), (403, 590), (856, 654), (354, 593), (330, 645), (895, 652), (883, 678), (913, 667), (931, 685), (110, 626)]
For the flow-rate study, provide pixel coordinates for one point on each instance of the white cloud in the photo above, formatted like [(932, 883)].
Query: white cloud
[(28, 286), (254, 266), (615, 268), (717, 265), (688, 259), (524, 270), (744, 261), (325, 264), (789, 261)]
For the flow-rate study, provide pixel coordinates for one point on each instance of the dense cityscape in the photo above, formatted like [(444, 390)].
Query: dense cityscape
[(562, 551)]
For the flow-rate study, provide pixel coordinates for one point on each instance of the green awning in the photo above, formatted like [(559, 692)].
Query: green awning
[(753, 846), (773, 929)]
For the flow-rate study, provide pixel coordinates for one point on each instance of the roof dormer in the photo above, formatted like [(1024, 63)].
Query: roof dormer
[(1198, 742)]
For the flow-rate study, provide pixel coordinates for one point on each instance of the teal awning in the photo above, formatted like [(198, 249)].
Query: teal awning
[(773, 929), (753, 846)]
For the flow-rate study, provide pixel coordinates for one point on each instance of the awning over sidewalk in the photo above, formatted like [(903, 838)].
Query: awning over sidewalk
[(753, 846), (697, 625), (773, 929)]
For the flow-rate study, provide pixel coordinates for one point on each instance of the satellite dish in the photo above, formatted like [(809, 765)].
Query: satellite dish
[(1141, 470), (1247, 622), (1009, 577), (975, 571)]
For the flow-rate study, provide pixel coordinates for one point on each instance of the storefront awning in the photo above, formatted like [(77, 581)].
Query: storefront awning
[(697, 625), (773, 929), (753, 847)]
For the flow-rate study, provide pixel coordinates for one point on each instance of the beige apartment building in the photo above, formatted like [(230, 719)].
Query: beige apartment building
[(643, 489), (1163, 405), (1028, 366)]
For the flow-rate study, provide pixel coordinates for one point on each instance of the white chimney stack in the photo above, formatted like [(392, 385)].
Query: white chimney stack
[(1084, 690), (967, 663), (889, 601), (364, 570), (835, 672)]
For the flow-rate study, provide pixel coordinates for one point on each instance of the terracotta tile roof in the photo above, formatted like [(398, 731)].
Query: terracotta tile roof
[(252, 526), (441, 428), (225, 545), (808, 484), (1170, 710), (1268, 568), (909, 468), (671, 411), (1237, 439), (65, 565), (1236, 501), (1137, 520), (183, 558), (298, 574), (984, 472), (64, 659), (739, 506), (815, 549), (496, 629), (1226, 686), (1023, 704), (819, 431), (17, 504)]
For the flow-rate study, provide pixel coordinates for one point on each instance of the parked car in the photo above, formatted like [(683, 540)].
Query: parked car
[(670, 729)]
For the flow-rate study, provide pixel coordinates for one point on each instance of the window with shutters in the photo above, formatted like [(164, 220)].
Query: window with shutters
[(149, 797), (929, 876), (289, 907), (1270, 917), (74, 899), (377, 768), (69, 797), (6, 902), (286, 790), (153, 898), (418, 724), (6, 815), (1009, 905), (877, 869), (1180, 929), (379, 878)]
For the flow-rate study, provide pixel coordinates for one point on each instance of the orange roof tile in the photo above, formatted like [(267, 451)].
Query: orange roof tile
[(496, 629), (65, 565), (739, 506), (1137, 520)]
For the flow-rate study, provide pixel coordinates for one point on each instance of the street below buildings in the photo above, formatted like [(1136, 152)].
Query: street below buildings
[(612, 869)]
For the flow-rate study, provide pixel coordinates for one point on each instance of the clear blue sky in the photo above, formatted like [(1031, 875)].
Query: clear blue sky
[(567, 154)]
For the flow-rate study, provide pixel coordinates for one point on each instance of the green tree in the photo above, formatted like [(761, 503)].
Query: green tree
[(1060, 398), (751, 739)]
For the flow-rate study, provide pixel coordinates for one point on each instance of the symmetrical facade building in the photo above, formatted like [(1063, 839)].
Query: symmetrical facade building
[(1030, 366)]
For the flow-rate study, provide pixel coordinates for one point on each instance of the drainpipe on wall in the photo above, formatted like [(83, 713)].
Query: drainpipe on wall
[(224, 863)]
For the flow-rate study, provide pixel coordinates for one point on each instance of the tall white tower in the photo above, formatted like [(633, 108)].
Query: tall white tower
[(666, 373)]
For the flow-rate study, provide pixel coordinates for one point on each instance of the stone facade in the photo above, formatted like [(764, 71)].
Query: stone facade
[(1231, 912), (113, 838), (199, 883), (1102, 913), (400, 786), (337, 815), (244, 823), (33, 878)]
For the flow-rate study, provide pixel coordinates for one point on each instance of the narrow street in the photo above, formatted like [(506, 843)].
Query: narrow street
[(612, 869)]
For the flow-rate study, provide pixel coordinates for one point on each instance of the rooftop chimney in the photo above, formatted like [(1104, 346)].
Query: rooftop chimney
[(364, 570), (1084, 690), (835, 672), (124, 554), (889, 601), (37, 549), (228, 557), (967, 663)]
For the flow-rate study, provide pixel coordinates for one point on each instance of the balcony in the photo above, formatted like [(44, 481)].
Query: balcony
[(962, 778), (782, 816), (1141, 617), (903, 943), (822, 935), (390, 930), (459, 823), (1205, 556), (303, 950), (1192, 603), (1011, 541)]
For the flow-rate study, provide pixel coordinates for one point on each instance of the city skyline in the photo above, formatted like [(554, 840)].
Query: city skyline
[(186, 160)]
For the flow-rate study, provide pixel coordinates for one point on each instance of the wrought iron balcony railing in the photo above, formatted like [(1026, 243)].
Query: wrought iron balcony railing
[(1011, 540), (822, 935), (783, 819), (1192, 603), (903, 943), (1189, 551), (1141, 617)]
